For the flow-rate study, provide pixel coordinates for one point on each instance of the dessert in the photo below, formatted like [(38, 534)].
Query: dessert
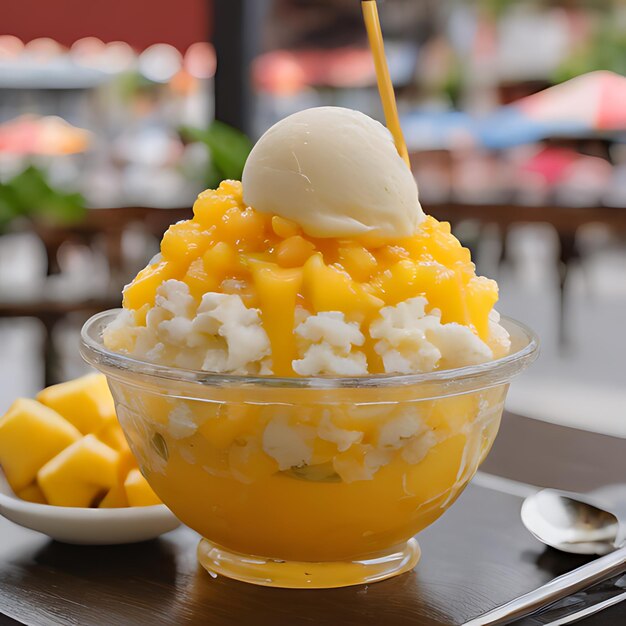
[(321, 263), (67, 449), (310, 371)]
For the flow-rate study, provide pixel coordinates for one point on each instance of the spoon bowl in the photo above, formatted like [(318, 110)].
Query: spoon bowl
[(85, 526), (570, 523)]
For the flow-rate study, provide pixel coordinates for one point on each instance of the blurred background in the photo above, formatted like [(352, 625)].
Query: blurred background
[(514, 113)]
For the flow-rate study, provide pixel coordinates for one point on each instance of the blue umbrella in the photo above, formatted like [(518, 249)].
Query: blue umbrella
[(506, 127), (438, 130), (510, 126)]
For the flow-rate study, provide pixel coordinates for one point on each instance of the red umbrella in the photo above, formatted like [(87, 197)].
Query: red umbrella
[(596, 101), (30, 134)]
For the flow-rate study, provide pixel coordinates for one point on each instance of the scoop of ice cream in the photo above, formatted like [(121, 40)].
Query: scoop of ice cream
[(334, 171)]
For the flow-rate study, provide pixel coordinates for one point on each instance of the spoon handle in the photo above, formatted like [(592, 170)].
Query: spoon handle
[(564, 585)]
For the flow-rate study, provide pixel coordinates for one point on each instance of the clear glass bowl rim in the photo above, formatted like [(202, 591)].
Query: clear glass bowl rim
[(471, 377)]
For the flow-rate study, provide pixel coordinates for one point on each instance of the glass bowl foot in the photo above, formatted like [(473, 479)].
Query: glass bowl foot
[(304, 574)]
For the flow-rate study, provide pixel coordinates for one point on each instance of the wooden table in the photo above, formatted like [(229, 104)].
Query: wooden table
[(478, 555)]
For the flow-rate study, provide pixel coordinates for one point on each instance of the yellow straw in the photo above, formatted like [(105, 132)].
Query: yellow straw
[(385, 86)]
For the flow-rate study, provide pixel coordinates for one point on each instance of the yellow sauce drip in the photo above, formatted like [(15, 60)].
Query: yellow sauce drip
[(278, 290)]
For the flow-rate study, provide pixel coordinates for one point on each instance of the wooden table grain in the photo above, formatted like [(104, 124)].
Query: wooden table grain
[(477, 556)]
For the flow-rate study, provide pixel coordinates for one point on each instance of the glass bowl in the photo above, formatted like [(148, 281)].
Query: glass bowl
[(308, 482)]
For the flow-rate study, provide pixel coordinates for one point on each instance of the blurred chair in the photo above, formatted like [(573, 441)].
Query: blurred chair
[(102, 228)]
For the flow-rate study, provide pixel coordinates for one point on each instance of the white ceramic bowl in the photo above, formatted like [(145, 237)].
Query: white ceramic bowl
[(85, 526)]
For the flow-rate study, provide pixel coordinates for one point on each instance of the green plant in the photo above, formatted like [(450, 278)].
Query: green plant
[(30, 195), (606, 50), (496, 7), (228, 147)]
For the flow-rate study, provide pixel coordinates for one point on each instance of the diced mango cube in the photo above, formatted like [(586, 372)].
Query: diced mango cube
[(209, 208), (398, 283), (185, 241), (444, 290), (388, 255), (212, 204), (199, 280), (112, 434), (126, 464), (284, 228), (138, 491), (444, 246), (30, 435), (246, 228), (231, 189), (143, 289), (115, 498), (76, 476), (85, 402), (32, 493), (359, 262), (294, 251), (330, 289), (220, 260)]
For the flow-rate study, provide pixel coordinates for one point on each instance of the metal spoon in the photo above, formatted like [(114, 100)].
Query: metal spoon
[(570, 523)]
